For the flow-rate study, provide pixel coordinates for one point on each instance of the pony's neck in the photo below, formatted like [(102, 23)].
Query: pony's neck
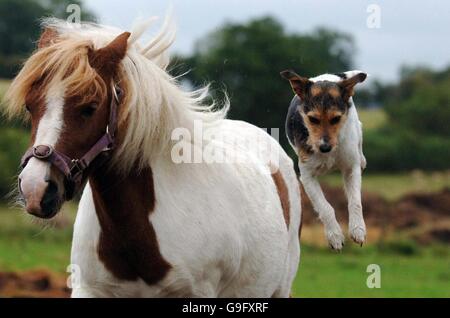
[(128, 246)]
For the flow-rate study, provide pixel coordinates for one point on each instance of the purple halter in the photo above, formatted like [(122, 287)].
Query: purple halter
[(73, 168)]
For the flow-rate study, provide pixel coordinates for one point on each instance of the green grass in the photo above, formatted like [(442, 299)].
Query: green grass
[(407, 270), (393, 186), (26, 244), (323, 273)]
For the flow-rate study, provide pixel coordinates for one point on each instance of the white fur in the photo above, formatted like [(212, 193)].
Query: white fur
[(33, 177), (220, 226), (348, 158)]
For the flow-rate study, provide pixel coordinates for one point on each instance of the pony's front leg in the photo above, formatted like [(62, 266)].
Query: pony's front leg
[(84, 293), (352, 186), (323, 209)]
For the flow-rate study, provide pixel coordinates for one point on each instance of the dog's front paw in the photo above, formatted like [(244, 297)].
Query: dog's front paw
[(335, 238), (358, 234)]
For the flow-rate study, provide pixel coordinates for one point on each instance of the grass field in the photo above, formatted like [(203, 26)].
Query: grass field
[(407, 270), (28, 244)]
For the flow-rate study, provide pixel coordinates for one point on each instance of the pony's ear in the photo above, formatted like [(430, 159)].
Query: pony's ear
[(108, 58), (48, 37), (299, 84), (349, 84)]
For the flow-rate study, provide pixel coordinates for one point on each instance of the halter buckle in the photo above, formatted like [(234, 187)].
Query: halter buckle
[(76, 168)]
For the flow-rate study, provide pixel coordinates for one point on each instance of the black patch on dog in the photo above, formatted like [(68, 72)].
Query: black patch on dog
[(295, 128), (324, 100), (341, 75)]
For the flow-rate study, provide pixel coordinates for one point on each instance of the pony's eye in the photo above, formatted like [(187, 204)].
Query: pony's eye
[(335, 120), (89, 110), (314, 120), (27, 108)]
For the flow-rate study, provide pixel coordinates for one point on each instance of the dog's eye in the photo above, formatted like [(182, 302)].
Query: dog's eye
[(335, 120), (27, 108), (89, 110), (314, 120)]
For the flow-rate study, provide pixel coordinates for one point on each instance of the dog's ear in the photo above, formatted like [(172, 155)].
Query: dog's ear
[(348, 84), (299, 84)]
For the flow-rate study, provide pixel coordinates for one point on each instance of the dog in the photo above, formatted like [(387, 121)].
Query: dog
[(323, 128)]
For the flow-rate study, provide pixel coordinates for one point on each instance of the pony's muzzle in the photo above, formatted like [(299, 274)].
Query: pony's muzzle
[(40, 191)]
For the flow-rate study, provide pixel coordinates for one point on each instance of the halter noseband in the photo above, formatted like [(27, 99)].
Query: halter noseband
[(72, 168)]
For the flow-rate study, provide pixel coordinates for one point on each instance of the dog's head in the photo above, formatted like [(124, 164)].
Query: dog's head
[(324, 106)]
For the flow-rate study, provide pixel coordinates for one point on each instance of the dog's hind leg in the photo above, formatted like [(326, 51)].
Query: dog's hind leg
[(323, 209), (352, 186)]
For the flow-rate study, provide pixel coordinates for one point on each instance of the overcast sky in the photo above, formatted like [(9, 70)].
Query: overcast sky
[(412, 32)]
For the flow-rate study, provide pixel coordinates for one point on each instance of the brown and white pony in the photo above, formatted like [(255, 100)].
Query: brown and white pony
[(104, 117)]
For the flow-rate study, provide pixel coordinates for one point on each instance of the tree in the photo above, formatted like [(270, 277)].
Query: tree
[(421, 102), (19, 28), (246, 60)]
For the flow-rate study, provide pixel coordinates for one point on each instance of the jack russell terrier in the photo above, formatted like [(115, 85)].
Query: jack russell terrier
[(324, 129)]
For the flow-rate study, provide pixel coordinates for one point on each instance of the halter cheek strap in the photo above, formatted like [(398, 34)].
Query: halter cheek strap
[(71, 168)]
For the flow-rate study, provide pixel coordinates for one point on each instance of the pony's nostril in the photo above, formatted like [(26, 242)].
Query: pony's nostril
[(50, 200)]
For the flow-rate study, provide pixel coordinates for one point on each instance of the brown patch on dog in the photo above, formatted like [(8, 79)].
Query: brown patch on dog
[(300, 85), (304, 155), (334, 92), (348, 85), (323, 125), (283, 193), (316, 90), (128, 246)]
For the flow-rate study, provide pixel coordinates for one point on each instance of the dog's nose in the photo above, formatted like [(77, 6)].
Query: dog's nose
[(324, 148)]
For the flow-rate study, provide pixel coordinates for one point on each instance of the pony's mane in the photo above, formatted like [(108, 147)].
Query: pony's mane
[(155, 104)]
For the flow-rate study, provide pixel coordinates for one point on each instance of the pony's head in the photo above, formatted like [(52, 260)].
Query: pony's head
[(66, 88)]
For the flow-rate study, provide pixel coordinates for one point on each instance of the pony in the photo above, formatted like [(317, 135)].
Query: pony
[(104, 116)]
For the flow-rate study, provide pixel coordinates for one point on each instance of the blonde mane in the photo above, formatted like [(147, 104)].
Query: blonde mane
[(154, 105)]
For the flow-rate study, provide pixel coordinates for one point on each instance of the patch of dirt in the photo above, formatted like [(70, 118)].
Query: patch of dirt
[(33, 284), (412, 211)]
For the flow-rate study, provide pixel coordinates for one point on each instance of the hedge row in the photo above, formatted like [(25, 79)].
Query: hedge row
[(400, 151)]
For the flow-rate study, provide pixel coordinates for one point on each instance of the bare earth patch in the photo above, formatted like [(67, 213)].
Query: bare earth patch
[(33, 284)]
